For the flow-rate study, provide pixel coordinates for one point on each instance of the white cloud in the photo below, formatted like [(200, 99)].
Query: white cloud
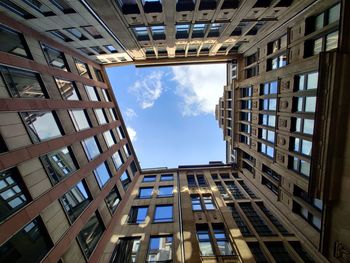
[(132, 134), (130, 113), (200, 87), (148, 90)]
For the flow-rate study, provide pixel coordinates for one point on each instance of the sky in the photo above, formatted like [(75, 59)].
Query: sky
[(170, 112)]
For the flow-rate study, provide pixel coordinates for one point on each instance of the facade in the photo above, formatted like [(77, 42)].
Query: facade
[(71, 188)]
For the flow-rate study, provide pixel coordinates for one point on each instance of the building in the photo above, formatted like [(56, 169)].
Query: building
[(71, 188)]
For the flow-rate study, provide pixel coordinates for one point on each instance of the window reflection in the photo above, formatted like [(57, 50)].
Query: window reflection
[(41, 125), (160, 249), (92, 94), (55, 58), (91, 147), (137, 214), (113, 199), (76, 200), (100, 116), (59, 164), (109, 138), (165, 191), (14, 44), (117, 160), (80, 119), (22, 83), (82, 68), (163, 213), (102, 174), (125, 180), (126, 250), (67, 89)]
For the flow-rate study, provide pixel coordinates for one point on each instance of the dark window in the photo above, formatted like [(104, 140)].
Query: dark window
[(77, 33), (137, 214), (55, 58), (201, 180), (63, 6), (113, 199), (279, 252), (273, 219), (82, 68), (59, 35), (125, 180), (133, 168), (92, 32), (13, 194), (102, 174), (163, 213), (301, 251), (23, 84), (16, 9), (257, 253), (277, 45), (99, 75), (222, 191), (90, 234), (68, 89), (312, 219), (276, 62), (121, 132), (167, 177), (127, 150), (38, 6), (259, 225), (14, 44), (160, 249), (126, 250), (3, 147), (222, 241), (247, 189), (165, 191), (76, 200), (91, 147), (234, 190), (149, 178), (106, 95), (145, 192), (204, 242), (323, 19), (59, 164), (41, 126), (30, 244), (240, 222), (191, 181)]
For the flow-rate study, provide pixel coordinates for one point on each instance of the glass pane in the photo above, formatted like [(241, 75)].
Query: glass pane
[(308, 126), (42, 125), (225, 247), (151, 178), (270, 151), (117, 160), (160, 249), (91, 91), (319, 21), (334, 14), (206, 249), (272, 104), (275, 63), (166, 177), (273, 87), (141, 214), (300, 104), (296, 145), (163, 213), (310, 104), (102, 174), (304, 168), (317, 46), (59, 164), (312, 80), (15, 43), (22, 83), (306, 147), (298, 125), (90, 235), (125, 180), (165, 191), (100, 116), (55, 58), (109, 138), (332, 41), (67, 89), (75, 201), (79, 118), (301, 82), (30, 244), (145, 192), (91, 148), (272, 121), (105, 95), (113, 199), (82, 68), (282, 61)]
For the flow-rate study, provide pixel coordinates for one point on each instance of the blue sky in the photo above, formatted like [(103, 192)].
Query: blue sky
[(169, 112)]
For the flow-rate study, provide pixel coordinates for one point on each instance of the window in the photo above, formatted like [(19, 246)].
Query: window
[(269, 88), (205, 245), (127, 150), (3, 147), (268, 104), (113, 114), (92, 31), (222, 191), (105, 95), (277, 62), (76, 200), (198, 30), (137, 214), (182, 31), (299, 166), (55, 58), (16, 9), (222, 241), (201, 180), (113, 199), (165, 191), (98, 50), (127, 250), (99, 75), (102, 174), (22, 83), (59, 164), (117, 159), (141, 33), (234, 190), (149, 178), (30, 244), (68, 89), (167, 177), (267, 135), (196, 203), (267, 120), (246, 92), (111, 48), (125, 180), (13, 194), (15, 43), (307, 81), (160, 249), (259, 225), (240, 222), (277, 45), (80, 119), (63, 6), (121, 133), (191, 180), (301, 125), (82, 68), (109, 138), (257, 252), (323, 19), (301, 146), (273, 219), (91, 147), (208, 203), (278, 252), (270, 185), (76, 32), (90, 234), (92, 93), (101, 117), (145, 192), (324, 43), (41, 125), (301, 251), (60, 36), (133, 168), (266, 149), (158, 32), (163, 213)]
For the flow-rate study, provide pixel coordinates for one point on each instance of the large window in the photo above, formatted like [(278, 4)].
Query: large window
[(137, 214), (92, 93), (301, 125), (82, 68), (267, 135), (268, 104), (160, 249), (125, 180), (67, 89), (196, 203), (300, 166), (13, 194), (55, 58), (113, 199), (167, 177), (145, 192), (163, 213), (90, 234), (91, 147), (165, 191), (208, 202), (204, 242), (301, 146), (102, 174), (59, 164), (266, 149), (14, 44), (126, 250), (22, 83), (269, 88), (76, 200), (41, 125), (149, 178), (30, 244), (80, 119), (222, 241)]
